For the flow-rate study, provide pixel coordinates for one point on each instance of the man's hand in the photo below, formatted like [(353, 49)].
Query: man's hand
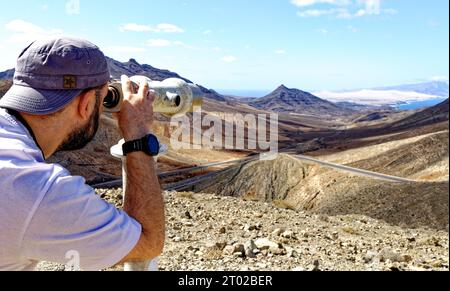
[(136, 116), (143, 198)]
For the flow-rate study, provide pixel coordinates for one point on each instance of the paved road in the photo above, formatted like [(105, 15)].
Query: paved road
[(118, 183), (356, 171), (192, 181)]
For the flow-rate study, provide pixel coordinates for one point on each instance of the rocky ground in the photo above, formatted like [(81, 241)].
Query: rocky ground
[(306, 186), (208, 232)]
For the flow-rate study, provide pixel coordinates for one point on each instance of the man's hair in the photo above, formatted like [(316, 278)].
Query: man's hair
[(98, 91), (98, 96)]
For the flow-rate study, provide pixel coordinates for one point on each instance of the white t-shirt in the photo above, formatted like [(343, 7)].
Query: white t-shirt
[(48, 215)]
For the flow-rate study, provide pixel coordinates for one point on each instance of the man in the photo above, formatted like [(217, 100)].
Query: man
[(45, 213)]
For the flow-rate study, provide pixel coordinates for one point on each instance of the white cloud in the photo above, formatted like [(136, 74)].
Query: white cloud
[(342, 13), (372, 6), (206, 32), (126, 49), (44, 7), (229, 59), (303, 3), (182, 44), (315, 12), (280, 52), (26, 32), (73, 7), (168, 28), (346, 10), (160, 28), (439, 78), (374, 97), (216, 49)]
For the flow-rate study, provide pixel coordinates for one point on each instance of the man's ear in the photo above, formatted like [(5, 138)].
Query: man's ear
[(86, 104)]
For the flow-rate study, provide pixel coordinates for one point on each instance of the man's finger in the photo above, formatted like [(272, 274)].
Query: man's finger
[(126, 85), (151, 95), (143, 88)]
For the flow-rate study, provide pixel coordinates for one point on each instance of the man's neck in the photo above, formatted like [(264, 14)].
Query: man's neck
[(47, 133)]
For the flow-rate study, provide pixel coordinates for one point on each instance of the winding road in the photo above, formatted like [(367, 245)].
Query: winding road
[(198, 179), (355, 171)]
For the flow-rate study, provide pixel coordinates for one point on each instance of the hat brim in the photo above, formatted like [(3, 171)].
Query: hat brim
[(36, 101)]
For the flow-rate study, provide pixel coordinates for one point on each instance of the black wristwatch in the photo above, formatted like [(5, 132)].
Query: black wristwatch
[(149, 144)]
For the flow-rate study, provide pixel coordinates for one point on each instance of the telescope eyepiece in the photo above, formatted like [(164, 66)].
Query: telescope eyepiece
[(178, 100), (113, 100)]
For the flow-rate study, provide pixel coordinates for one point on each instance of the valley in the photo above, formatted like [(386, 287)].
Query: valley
[(353, 173)]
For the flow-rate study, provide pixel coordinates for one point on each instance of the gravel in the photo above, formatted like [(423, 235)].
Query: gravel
[(208, 232)]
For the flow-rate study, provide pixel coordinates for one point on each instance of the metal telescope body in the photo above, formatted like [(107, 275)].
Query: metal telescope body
[(173, 97)]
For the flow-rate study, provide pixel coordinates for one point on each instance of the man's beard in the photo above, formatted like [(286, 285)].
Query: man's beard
[(80, 137)]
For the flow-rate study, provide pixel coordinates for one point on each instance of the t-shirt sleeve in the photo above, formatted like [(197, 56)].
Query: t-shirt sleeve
[(72, 220)]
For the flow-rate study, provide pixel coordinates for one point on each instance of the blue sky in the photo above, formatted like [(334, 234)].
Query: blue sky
[(251, 44)]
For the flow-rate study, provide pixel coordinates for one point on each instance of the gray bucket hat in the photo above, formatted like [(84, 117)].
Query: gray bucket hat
[(51, 73)]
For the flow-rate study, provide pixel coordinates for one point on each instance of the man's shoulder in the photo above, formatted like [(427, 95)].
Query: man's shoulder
[(15, 142), (21, 172), (8, 123)]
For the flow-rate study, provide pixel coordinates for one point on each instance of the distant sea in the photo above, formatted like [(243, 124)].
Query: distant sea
[(419, 104), (244, 93)]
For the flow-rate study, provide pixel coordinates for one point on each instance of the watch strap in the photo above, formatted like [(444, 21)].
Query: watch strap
[(133, 146), (149, 144)]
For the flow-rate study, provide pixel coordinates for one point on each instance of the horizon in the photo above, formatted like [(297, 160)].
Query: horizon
[(313, 45), (261, 91)]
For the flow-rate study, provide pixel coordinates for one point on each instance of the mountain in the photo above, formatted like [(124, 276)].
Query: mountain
[(284, 99), (300, 185), (436, 88), (7, 75), (4, 87), (131, 68), (435, 114), (361, 107)]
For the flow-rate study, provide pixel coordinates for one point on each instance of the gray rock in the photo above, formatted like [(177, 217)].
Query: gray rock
[(388, 254), (288, 234), (277, 231), (370, 257), (271, 246), (249, 248), (228, 250), (239, 248)]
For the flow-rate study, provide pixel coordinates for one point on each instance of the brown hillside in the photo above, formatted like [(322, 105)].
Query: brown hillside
[(4, 87), (306, 186)]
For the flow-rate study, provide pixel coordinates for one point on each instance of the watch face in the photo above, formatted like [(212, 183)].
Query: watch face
[(153, 145)]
